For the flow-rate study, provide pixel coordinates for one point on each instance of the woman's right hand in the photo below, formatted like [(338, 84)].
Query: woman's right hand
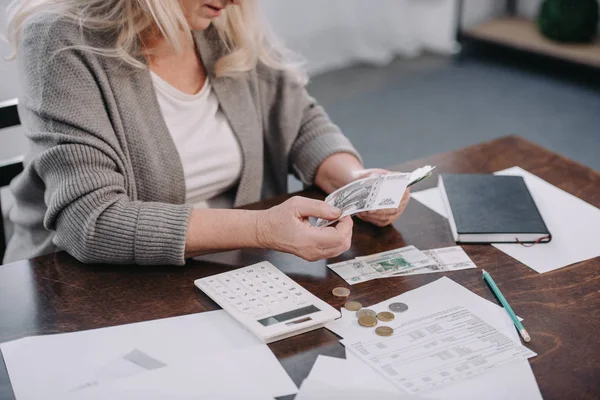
[(286, 228)]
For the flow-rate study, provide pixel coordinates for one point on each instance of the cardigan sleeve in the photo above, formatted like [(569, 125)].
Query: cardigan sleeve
[(76, 155), (318, 138), (303, 127)]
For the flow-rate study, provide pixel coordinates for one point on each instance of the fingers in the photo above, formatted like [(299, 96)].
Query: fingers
[(381, 218), (333, 236), (386, 216), (306, 207), (328, 242), (344, 227), (406, 196), (380, 222), (366, 173), (388, 212), (325, 238)]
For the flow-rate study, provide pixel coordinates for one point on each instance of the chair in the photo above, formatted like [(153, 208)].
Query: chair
[(9, 169)]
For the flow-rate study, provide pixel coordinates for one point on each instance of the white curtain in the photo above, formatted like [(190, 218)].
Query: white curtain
[(331, 34)]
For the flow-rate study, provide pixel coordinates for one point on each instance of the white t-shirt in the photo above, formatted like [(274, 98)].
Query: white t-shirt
[(209, 151)]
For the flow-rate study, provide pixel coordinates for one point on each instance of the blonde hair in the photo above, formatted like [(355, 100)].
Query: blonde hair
[(246, 39)]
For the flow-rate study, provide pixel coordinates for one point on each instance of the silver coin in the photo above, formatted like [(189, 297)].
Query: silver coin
[(398, 307), (364, 311)]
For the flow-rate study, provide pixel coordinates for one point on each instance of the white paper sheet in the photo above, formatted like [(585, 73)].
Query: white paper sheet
[(336, 378), (511, 381), (351, 374), (573, 223), (210, 346), (319, 390), (432, 199), (514, 381), (227, 376)]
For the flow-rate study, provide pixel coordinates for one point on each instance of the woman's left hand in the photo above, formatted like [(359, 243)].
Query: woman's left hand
[(387, 216), (342, 168)]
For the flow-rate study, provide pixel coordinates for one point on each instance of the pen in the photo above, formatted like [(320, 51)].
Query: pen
[(488, 278)]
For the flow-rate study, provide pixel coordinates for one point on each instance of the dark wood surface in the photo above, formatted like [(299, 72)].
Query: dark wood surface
[(561, 309)]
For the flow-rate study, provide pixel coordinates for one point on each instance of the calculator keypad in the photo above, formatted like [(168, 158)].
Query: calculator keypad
[(259, 290)]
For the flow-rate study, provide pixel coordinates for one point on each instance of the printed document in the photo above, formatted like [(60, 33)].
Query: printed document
[(511, 381), (437, 349)]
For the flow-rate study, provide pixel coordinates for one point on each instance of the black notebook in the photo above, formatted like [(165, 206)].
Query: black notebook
[(491, 209)]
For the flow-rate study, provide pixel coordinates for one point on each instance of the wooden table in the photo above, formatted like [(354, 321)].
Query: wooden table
[(55, 293)]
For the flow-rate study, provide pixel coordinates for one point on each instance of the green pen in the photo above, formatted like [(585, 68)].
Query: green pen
[(488, 278)]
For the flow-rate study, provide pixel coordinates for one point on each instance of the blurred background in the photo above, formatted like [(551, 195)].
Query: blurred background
[(409, 78)]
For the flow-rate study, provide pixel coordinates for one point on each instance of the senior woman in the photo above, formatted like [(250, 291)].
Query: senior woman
[(150, 119)]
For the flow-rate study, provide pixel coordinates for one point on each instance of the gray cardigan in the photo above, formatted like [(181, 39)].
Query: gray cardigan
[(103, 179)]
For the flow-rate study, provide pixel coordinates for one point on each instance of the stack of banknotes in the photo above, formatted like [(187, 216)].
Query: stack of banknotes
[(401, 262), (374, 193)]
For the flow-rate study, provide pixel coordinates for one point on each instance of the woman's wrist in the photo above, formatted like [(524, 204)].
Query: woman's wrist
[(211, 231), (262, 229), (337, 171)]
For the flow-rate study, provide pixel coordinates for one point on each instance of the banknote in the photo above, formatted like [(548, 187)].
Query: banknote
[(373, 193), (398, 261), (446, 259), (354, 271), (382, 265), (402, 262), (420, 174)]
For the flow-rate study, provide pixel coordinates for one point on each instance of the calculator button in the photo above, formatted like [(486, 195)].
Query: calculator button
[(258, 291)]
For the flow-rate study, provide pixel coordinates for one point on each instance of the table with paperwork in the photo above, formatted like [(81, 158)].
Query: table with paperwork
[(57, 294)]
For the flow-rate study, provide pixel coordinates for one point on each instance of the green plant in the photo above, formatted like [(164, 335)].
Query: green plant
[(569, 20)]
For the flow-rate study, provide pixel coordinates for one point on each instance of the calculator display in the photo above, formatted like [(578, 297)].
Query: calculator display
[(286, 316)]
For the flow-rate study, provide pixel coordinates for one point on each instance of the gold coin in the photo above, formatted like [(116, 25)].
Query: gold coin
[(341, 292), (367, 321), (353, 306), (364, 311), (385, 316), (384, 331)]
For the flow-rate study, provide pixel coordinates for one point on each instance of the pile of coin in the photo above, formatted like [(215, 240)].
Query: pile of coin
[(369, 318)]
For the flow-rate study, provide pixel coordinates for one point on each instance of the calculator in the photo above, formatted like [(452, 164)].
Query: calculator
[(267, 302)]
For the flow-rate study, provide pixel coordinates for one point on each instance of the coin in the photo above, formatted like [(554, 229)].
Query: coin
[(384, 331), (341, 292), (398, 307), (365, 311), (367, 321), (353, 306), (385, 316)]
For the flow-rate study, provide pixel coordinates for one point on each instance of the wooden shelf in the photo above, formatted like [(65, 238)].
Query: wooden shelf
[(523, 34)]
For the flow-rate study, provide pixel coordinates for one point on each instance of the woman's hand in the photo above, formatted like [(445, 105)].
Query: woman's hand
[(286, 228), (387, 216)]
